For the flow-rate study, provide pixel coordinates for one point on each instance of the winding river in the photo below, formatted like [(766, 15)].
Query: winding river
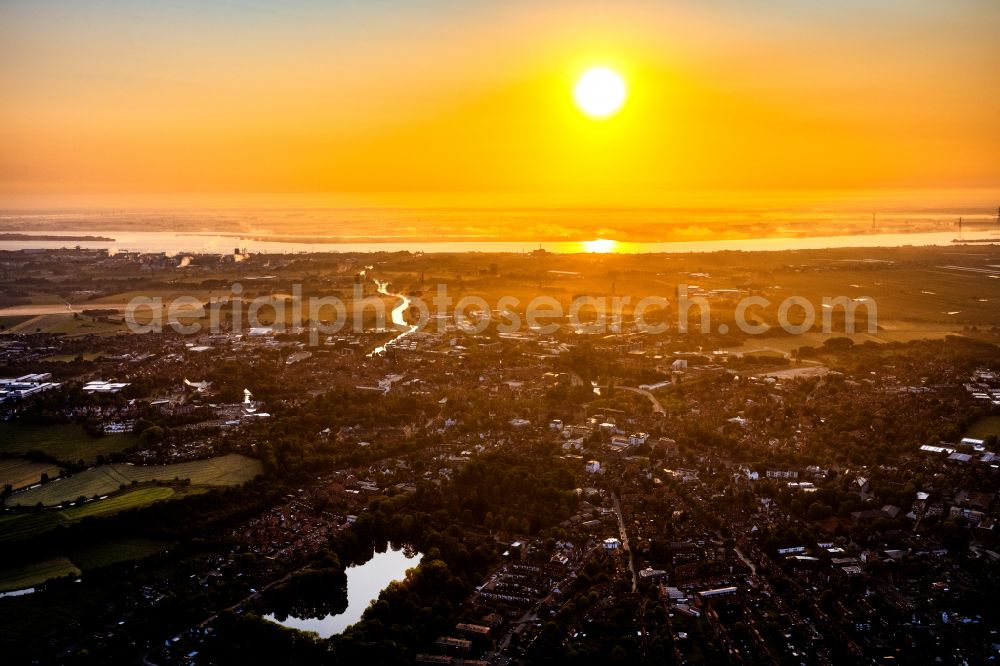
[(398, 317)]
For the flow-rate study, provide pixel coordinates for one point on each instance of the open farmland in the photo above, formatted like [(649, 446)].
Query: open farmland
[(17, 526), (129, 499), (228, 470), (10, 321), (17, 578), (21, 473), (24, 525), (67, 442), (63, 323), (102, 554), (231, 469), (78, 560), (919, 292)]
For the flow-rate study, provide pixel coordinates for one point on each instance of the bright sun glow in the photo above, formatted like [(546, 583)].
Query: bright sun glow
[(600, 92), (600, 245)]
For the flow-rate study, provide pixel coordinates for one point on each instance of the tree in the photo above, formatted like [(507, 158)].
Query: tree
[(819, 511), (151, 435), (838, 344)]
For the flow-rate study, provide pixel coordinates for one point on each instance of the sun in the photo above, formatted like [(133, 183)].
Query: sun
[(600, 245), (600, 92)]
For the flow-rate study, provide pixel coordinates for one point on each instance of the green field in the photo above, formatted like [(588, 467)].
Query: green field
[(128, 499), (78, 560), (67, 442), (99, 555), (72, 326), (984, 427), (20, 472), (228, 470), (10, 321), (17, 578), (24, 524), (17, 526), (62, 323)]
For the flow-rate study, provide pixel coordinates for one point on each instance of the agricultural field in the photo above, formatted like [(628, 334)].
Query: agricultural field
[(67, 442), (21, 473), (20, 324), (17, 526), (10, 321), (17, 578), (23, 525), (71, 326), (919, 293), (78, 560), (129, 499), (63, 323), (984, 427), (228, 470), (120, 300), (105, 553)]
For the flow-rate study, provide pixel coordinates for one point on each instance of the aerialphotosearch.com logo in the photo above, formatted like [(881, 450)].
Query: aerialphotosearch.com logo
[(322, 316)]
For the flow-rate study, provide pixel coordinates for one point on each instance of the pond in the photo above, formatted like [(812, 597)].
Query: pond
[(364, 583)]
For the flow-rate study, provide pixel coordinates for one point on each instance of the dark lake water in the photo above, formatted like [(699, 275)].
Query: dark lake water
[(364, 583)]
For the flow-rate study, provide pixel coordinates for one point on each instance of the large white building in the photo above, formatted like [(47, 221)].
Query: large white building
[(26, 385), (101, 386)]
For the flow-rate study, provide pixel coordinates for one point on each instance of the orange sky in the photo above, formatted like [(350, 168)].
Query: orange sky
[(446, 101)]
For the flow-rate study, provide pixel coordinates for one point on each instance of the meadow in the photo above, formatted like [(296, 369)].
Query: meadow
[(63, 323), (18, 578), (21, 473), (66, 442), (10, 321), (95, 556), (16, 526), (231, 469), (984, 427), (78, 560)]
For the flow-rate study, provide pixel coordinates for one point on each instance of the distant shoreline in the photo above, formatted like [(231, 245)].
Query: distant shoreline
[(375, 240), (52, 237), (224, 243)]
